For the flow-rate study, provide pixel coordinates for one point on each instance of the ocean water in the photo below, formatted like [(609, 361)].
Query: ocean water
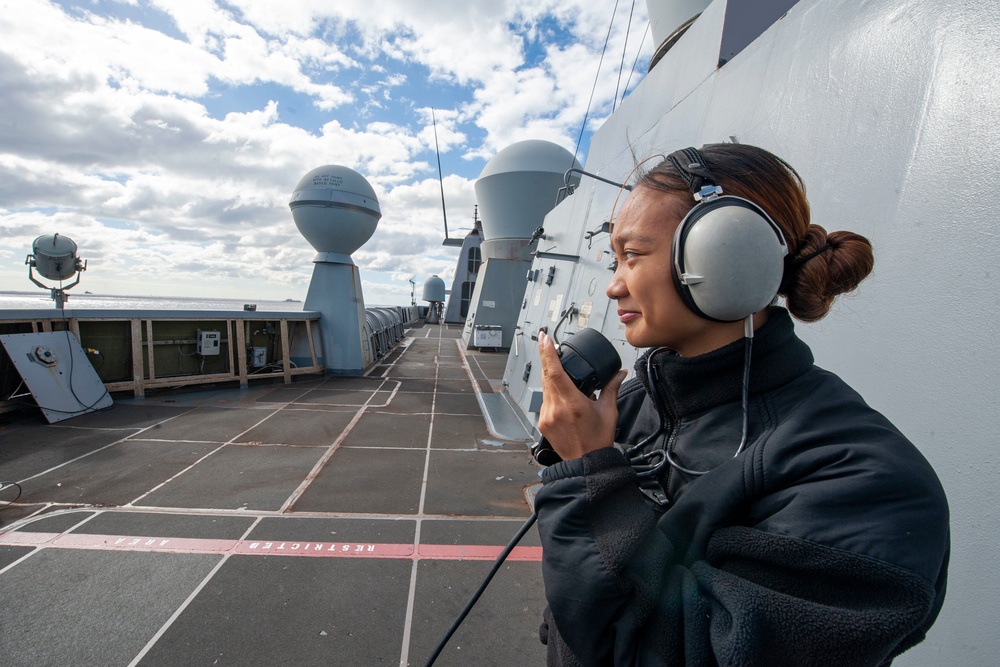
[(41, 301)]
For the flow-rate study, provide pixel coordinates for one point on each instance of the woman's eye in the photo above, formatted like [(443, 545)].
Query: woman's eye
[(613, 266)]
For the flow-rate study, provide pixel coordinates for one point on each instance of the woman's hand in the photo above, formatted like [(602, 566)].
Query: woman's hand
[(574, 424)]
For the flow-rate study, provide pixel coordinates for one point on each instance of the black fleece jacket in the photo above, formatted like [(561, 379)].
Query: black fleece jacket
[(825, 542)]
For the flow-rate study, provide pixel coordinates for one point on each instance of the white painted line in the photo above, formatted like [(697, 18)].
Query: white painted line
[(100, 449), (184, 605)]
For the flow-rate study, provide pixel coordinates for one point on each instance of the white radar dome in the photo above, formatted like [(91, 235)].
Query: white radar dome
[(434, 289), (518, 187), (335, 209)]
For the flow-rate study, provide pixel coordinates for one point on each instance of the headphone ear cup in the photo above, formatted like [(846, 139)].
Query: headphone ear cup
[(728, 259), (682, 289)]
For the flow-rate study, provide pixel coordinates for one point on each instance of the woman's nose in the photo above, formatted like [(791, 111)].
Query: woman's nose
[(616, 288)]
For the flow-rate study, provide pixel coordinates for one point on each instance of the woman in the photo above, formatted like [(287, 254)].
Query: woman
[(733, 504)]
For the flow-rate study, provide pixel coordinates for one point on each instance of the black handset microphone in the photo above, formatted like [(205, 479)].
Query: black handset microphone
[(590, 360)]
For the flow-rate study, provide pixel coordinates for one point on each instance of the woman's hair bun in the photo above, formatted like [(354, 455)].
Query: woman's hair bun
[(823, 267)]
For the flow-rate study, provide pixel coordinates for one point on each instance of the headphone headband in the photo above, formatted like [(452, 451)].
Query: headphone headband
[(691, 166)]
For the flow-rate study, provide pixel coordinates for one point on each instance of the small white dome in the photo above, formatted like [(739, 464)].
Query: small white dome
[(434, 289)]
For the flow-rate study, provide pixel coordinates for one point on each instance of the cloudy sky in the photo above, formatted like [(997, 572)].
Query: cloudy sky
[(165, 137)]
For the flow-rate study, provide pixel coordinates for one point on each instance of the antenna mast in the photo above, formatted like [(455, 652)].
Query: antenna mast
[(444, 213), (437, 151)]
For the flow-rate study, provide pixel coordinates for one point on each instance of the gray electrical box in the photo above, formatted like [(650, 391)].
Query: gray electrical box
[(258, 357), (208, 343), (487, 335)]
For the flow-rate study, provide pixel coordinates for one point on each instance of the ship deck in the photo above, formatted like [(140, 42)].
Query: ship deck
[(330, 521)]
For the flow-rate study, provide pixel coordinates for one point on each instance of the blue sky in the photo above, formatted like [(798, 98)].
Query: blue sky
[(166, 137)]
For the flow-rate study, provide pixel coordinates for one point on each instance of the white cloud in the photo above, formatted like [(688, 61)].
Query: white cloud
[(115, 132)]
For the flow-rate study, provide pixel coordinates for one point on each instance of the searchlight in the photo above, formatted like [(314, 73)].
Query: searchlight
[(54, 257)]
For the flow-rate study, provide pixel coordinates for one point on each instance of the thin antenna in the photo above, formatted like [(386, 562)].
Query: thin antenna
[(583, 127), (444, 213), (635, 62), (622, 65)]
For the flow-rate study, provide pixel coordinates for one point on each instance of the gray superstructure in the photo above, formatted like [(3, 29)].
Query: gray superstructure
[(888, 109)]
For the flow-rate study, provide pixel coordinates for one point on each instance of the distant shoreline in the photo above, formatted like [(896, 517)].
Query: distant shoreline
[(42, 295), (21, 300), (39, 300)]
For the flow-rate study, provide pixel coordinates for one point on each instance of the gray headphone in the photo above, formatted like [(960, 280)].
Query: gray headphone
[(728, 255)]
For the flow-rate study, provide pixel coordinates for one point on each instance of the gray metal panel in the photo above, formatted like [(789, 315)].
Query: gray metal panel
[(58, 373), (575, 298), (497, 297)]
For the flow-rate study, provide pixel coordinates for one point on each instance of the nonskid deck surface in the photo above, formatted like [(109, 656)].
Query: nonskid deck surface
[(333, 521)]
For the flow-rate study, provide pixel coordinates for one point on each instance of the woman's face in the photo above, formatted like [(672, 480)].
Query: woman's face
[(648, 303)]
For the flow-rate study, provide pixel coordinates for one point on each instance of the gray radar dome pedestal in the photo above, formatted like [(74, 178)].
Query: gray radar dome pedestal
[(336, 210), (515, 191)]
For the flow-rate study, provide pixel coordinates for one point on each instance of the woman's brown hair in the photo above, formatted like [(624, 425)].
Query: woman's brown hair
[(819, 266)]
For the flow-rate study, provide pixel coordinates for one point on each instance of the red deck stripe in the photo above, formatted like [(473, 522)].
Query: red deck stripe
[(267, 548)]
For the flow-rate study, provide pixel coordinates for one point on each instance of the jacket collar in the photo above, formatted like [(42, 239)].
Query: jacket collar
[(688, 385)]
